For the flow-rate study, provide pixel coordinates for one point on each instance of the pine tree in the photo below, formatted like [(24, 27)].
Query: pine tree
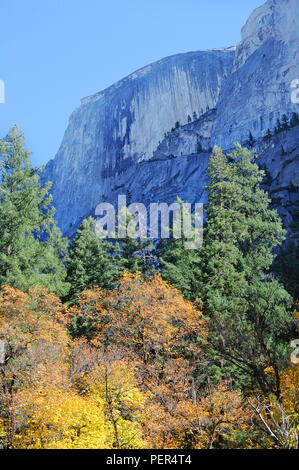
[(31, 246), (249, 312), (136, 253), (92, 261), (179, 265)]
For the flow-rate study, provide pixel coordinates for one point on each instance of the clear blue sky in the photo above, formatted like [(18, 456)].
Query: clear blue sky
[(54, 52)]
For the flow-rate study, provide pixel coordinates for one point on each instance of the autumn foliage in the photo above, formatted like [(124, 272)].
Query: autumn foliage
[(127, 377)]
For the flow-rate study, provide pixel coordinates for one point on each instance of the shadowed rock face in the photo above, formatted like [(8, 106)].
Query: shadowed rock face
[(125, 140)]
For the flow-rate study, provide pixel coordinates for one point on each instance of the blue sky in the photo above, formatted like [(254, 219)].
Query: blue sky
[(54, 52)]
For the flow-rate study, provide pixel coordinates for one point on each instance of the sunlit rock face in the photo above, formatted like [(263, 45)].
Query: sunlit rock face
[(258, 92), (194, 137), (123, 125)]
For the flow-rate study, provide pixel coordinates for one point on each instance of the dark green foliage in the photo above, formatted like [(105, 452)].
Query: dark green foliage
[(97, 262), (31, 245), (92, 261), (136, 253), (249, 312), (180, 266)]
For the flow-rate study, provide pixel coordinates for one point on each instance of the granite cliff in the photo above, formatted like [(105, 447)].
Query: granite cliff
[(149, 135), (266, 62), (112, 132)]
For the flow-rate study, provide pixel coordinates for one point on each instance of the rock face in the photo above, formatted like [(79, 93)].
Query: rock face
[(279, 156), (258, 91), (150, 134), (190, 139), (118, 128)]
